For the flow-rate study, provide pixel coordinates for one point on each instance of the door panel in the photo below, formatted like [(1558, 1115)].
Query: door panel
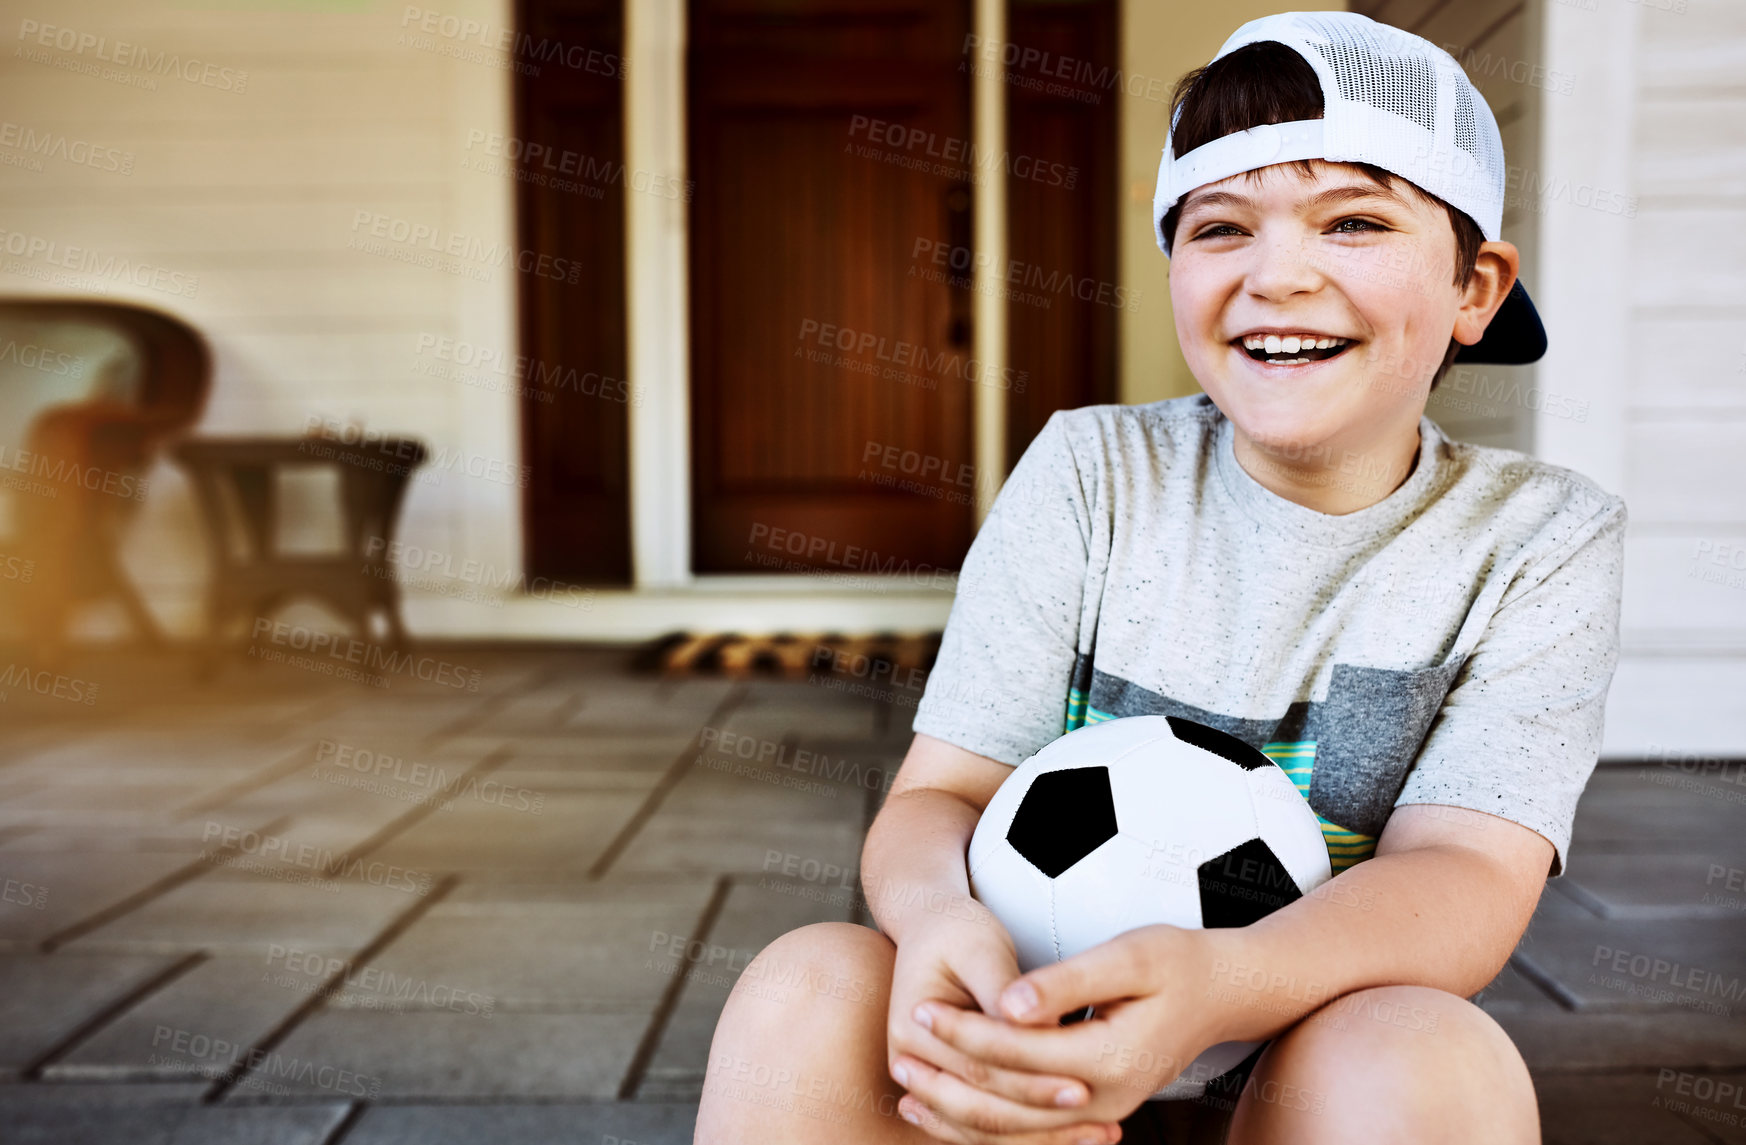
[(826, 143)]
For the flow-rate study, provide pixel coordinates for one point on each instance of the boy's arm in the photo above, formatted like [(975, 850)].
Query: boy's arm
[(913, 859), (1442, 903)]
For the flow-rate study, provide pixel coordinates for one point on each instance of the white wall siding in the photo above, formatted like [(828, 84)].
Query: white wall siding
[(1681, 685)]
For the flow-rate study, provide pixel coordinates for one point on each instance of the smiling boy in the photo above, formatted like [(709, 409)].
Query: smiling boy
[(1421, 632)]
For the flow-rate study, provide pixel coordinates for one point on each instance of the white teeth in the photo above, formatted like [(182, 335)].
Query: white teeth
[(1290, 343)]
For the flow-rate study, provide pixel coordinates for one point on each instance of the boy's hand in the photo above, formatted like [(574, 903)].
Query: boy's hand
[(958, 961), (1153, 1019)]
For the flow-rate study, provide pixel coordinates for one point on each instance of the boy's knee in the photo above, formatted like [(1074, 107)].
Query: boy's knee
[(823, 963), (1402, 1026), (1429, 1051)]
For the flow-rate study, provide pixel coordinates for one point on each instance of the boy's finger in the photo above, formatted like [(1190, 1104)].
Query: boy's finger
[(1042, 1091), (1123, 967), (1068, 1051), (982, 974), (952, 1110)]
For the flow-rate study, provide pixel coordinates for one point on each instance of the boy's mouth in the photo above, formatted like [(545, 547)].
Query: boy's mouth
[(1291, 350)]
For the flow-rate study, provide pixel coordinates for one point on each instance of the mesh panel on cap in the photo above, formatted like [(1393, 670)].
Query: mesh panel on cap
[(1401, 84), (1466, 134)]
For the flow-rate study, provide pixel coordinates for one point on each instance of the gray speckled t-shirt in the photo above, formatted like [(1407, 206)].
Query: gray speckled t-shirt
[(1452, 643)]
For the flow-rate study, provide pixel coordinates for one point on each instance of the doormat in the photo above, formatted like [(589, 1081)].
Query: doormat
[(790, 655)]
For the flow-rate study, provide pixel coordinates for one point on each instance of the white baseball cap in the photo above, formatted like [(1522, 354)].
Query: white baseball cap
[(1391, 99)]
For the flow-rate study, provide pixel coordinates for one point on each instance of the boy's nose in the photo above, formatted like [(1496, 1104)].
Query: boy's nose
[(1283, 265)]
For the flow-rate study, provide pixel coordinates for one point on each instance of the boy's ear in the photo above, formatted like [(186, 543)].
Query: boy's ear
[(1494, 271)]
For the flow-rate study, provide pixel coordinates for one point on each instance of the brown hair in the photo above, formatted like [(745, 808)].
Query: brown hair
[(1267, 82)]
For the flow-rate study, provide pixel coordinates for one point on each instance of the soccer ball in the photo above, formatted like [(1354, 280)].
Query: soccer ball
[(1136, 821)]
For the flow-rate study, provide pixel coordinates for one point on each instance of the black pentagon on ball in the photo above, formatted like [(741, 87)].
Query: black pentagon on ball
[(1244, 884), (1219, 743), (1063, 817)]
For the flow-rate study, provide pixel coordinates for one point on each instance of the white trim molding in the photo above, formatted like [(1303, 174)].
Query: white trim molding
[(658, 311)]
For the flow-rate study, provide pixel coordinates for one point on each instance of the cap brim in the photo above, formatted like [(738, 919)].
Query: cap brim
[(1515, 336)]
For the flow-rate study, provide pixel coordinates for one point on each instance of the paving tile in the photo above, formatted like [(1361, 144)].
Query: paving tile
[(543, 710), (1607, 964), (623, 765), (229, 1001), (1611, 1109), (67, 887), (339, 809), (1511, 992), (1561, 898), (595, 1123), (12, 787), (829, 768), (1728, 785), (650, 746), (1714, 1103), (1646, 887), (569, 833), (246, 915), (606, 706), (450, 1057), (38, 1118), (414, 714), (36, 1095), (1622, 808), (189, 837), (731, 820), (46, 997), (105, 800), (519, 786), (752, 917), (334, 831), (590, 949), (142, 750), (801, 721), (1613, 1041), (736, 844)]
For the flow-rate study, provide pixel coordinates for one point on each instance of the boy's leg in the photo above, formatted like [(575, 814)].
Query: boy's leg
[(1392, 1063), (799, 1052)]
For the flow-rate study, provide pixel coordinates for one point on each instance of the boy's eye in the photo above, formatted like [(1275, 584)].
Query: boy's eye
[(1214, 231)]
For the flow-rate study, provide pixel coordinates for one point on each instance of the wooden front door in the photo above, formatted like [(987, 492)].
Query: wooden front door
[(832, 372)]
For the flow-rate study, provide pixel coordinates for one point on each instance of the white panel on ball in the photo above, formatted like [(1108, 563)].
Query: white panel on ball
[(1099, 897), (1019, 895)]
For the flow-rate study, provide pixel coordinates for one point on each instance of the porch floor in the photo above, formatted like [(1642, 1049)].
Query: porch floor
[(289, 906)]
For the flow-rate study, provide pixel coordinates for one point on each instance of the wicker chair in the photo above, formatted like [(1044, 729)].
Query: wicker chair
[(90, 392)]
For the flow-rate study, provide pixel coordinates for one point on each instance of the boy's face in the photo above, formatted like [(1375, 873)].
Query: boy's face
[(1331, 255)]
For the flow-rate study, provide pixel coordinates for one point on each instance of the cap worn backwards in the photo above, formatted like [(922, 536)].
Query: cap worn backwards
[(1391, 99)]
